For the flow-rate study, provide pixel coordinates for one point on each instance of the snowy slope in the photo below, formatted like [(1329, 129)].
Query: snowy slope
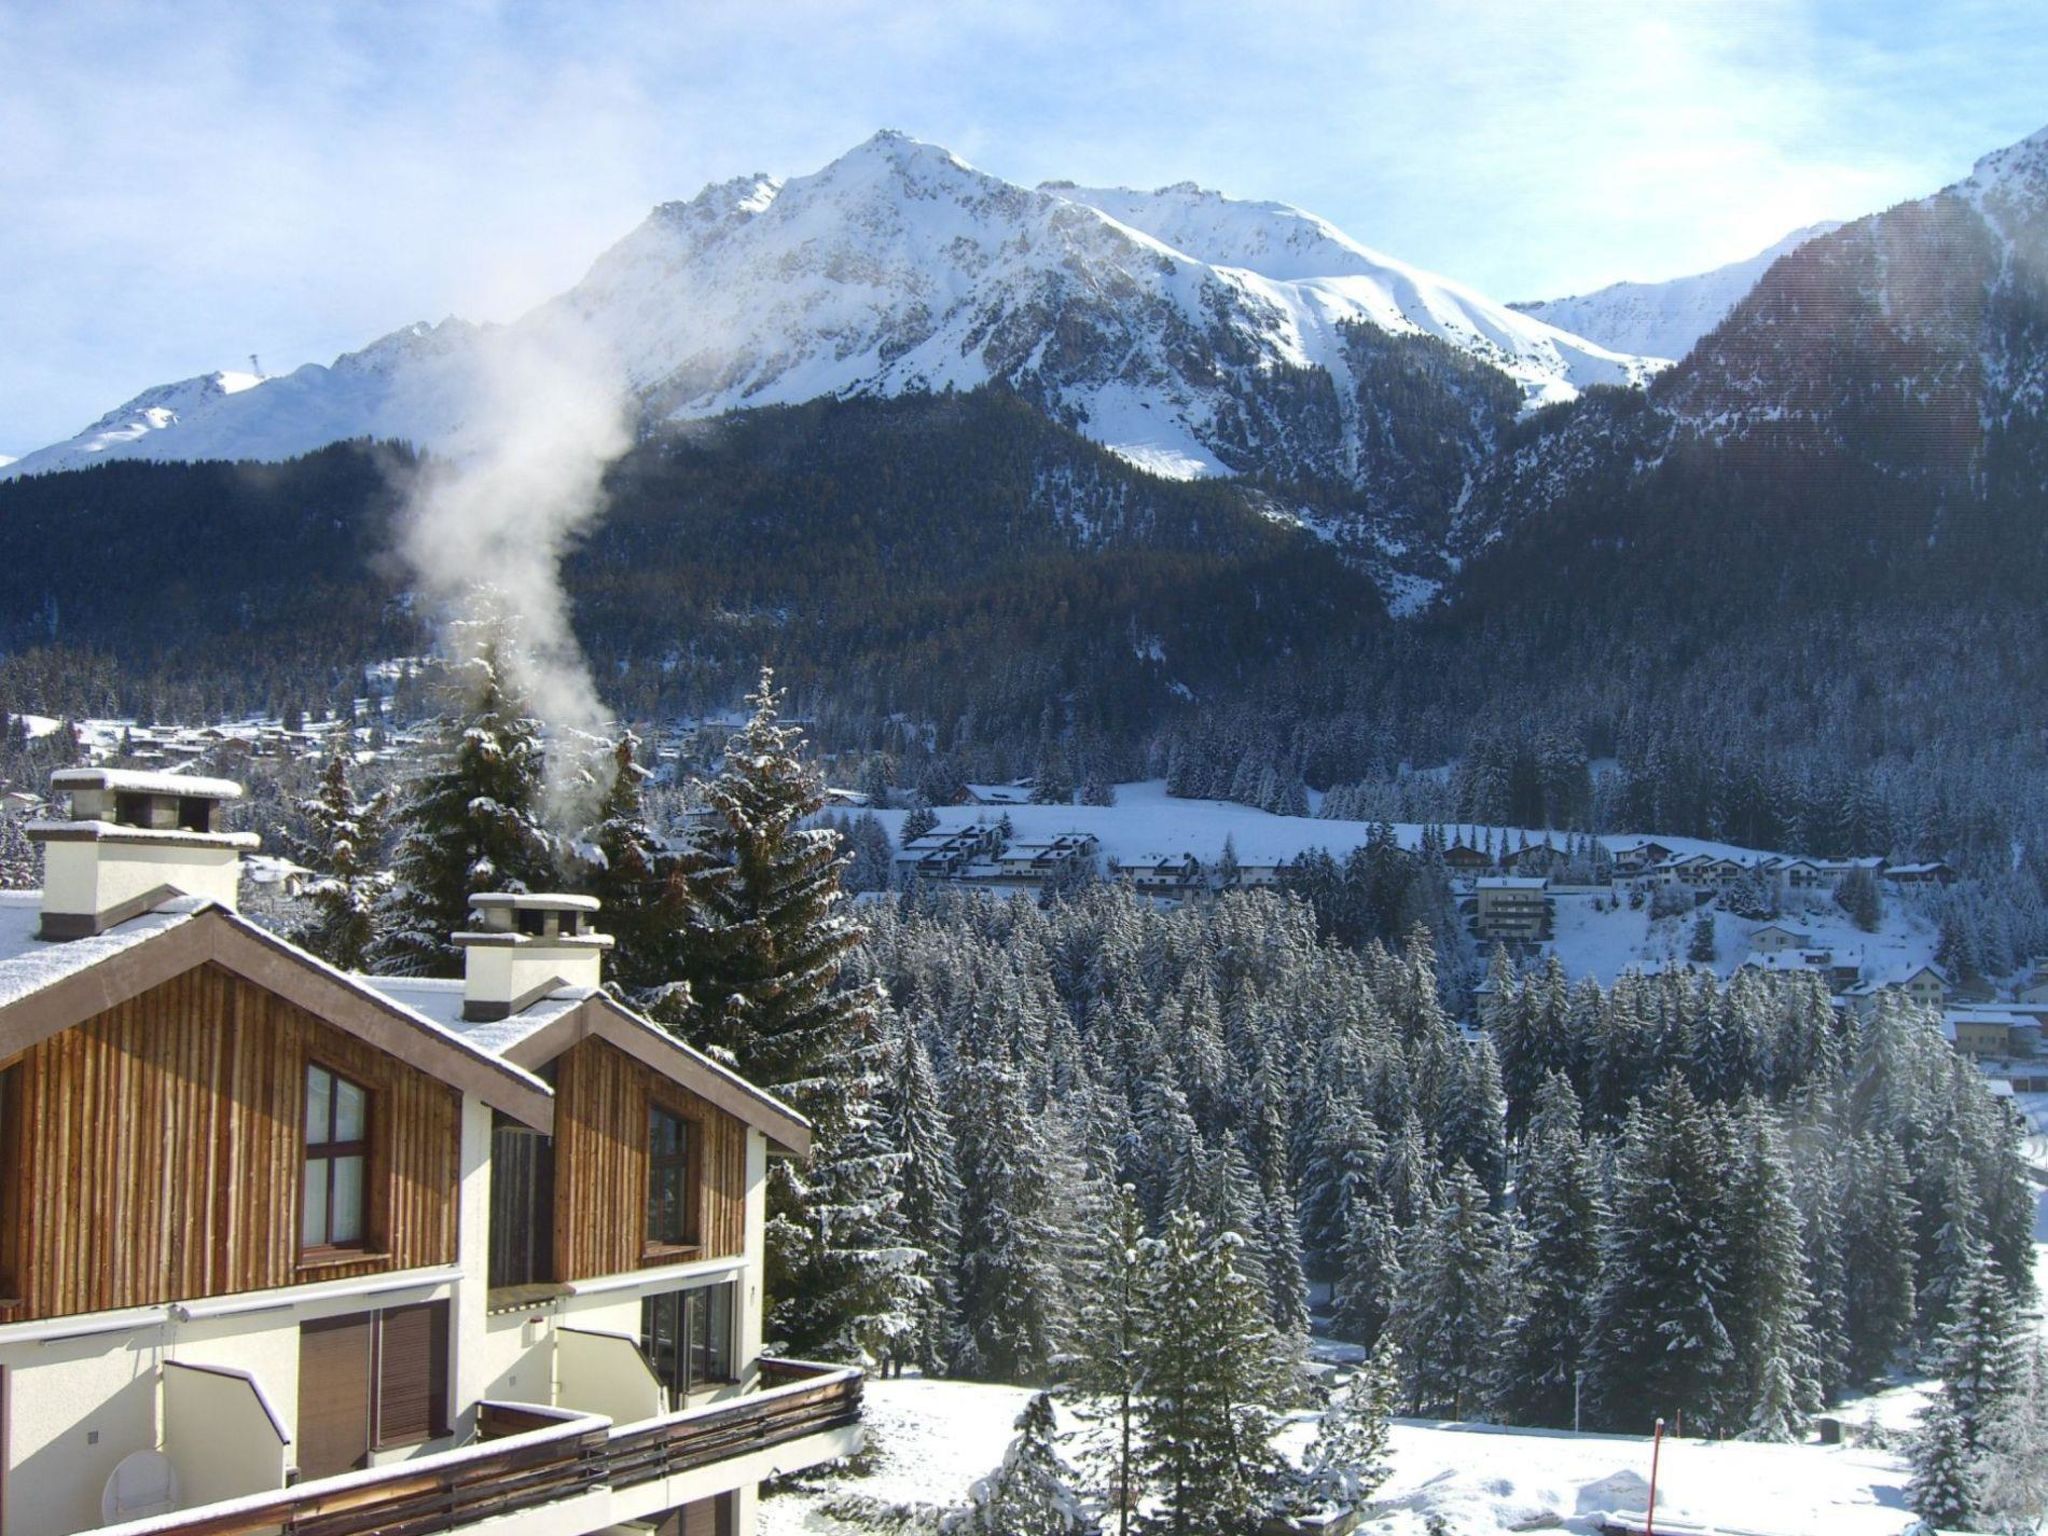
[(1665, 319), (931, 1439), (900, 268)]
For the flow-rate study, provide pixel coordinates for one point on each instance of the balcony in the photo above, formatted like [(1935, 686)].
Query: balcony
[(568, 1472)]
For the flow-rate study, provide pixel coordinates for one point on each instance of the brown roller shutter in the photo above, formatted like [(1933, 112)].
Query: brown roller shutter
[(334, 1395), (412, 1374)]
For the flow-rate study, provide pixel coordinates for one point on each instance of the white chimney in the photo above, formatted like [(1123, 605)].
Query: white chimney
[(134, 841), (528, 947)]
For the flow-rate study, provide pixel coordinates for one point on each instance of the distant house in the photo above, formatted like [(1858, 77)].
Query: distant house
[(1927, 986), (1512, 909), (1632, 858), (1018, 793), (1460, 859), (1040, 860), (1936, 873), (1164, 872), (1776, 938), (1539, 860), (944, 855), (1981, 1032), (1259, 874)]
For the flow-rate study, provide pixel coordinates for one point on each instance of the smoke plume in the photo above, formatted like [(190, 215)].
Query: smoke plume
[(542, 408)]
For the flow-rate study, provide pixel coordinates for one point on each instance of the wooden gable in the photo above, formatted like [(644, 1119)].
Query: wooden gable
[(154, 1152), (602, 1100)]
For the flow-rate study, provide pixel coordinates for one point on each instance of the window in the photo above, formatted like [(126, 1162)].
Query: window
[(337, 1160), (688, 1338), (522, 1205), (671, 1213)]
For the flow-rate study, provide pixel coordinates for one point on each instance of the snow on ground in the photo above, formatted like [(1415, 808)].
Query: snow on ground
[(1146, 821), (932, 1439), (928, 1443)]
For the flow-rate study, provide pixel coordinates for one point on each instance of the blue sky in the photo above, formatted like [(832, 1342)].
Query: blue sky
[(183, 185)]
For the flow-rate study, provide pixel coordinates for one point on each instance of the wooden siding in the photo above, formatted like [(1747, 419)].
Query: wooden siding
[(156, 1152), (602, 1097)]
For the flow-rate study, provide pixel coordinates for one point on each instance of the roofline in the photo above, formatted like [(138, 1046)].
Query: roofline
[(215, 935), (601, 1016)]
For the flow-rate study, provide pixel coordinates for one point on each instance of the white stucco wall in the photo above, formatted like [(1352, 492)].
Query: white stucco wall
[(91, 877)]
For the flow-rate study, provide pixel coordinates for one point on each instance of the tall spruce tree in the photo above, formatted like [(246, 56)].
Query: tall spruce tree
[(343, 848), (471, 821), (1562, 1209), (1447, 1316), (1350, 1456), (767, 975), (930, 1186), (1660, 1346), (1211, 1384)]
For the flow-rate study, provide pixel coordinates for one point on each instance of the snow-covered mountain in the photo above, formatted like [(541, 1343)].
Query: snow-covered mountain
[(1665, 319), (1194, 334)]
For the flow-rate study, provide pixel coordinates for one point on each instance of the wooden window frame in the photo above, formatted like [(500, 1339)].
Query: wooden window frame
[(690, 1166), (331, 1153)]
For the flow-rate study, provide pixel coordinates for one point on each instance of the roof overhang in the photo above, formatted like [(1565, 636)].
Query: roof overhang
[(219, 937)]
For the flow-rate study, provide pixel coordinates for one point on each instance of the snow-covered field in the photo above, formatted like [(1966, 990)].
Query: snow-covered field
[(1146, 822), (932, 1439)]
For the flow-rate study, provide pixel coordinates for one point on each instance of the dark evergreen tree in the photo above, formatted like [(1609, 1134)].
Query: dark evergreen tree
[(1032, 1493), (470, 821), (344, 848), (1559, 1202)]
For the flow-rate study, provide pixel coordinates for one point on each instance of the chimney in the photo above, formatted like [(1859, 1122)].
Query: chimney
[(134, 841), (528, 947)]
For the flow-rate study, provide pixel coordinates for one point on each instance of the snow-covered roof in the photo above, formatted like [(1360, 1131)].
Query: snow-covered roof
[(139, 782), (441, 1001), (1511, 883), (29, 964)]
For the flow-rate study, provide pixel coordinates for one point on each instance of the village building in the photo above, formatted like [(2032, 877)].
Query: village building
[(1511, 909), (286, 1248)]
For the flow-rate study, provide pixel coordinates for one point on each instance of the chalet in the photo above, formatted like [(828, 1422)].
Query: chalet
[(944, 854), (1936, 873), (1040, 860), (1633, 857), (1018, 793), (1164, 872), (286, 1248), (1260, 874), (1926, 986), (1537, 861), (1776, 939), (1461, 859), (1512, 910), (1982, 1032), (1829, 873)]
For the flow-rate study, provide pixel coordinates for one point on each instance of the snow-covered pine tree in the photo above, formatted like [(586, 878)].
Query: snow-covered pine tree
[(2012, 1481), (20, 864), (1369, 1279), (1981, 1357), (1350, 1456), (1447, 1315), (1877, 1221), (645, 888), (1943, 1488), (1773, 1387), (917, 1127), (846, 1276), (1211, 1381), (766, 976), (1109, 1358), (1013, 1310), (343, 849), (1032, 1493), (471, 820), (1561, 1206), (1659, 1346)]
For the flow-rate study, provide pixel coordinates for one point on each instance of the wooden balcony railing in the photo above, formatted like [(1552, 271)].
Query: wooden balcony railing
[(526, 1456)]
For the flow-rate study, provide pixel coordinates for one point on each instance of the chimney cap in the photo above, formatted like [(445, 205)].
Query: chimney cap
[(521, 901), (138, 782)]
